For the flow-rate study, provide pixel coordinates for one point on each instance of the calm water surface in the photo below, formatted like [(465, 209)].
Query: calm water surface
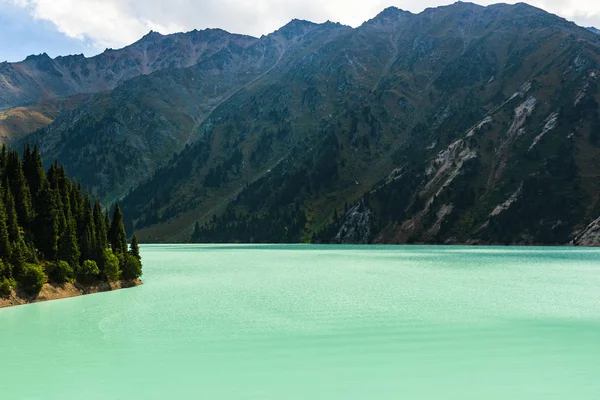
[(308, 322)]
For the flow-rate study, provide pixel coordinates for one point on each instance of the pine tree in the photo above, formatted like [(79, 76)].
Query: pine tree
[(100, 238), (196, 234), (87, 239), (76, 198), (117, 235), (14, 232), (135, 248), (48, 215), (107, 220), (53, 175), (20, 189), (26, 156), (33, 170), (47, 222), (87, 245), (58, 179), (3, 157), (4, 236), (100, 223), (21, 254), (68, 249)]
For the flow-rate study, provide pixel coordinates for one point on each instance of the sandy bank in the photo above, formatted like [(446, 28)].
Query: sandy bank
[(54, 292)]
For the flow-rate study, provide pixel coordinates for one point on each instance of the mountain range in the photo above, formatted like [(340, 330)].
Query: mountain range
[(461, 124)]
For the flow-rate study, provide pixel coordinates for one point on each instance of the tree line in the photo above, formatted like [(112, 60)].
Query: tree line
[(52, 231)]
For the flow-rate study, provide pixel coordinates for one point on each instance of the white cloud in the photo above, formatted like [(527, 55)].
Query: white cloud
[(116, 23)]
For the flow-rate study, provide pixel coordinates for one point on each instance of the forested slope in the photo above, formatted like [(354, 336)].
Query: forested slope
[(52, 231)]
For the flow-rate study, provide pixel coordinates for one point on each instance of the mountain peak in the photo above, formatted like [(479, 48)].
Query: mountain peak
[(387, 16), (392, 12), (295, 27), (298, 24), (152, 35), (37, 57)]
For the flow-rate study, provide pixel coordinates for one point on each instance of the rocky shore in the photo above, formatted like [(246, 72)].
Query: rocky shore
[(55, 292)]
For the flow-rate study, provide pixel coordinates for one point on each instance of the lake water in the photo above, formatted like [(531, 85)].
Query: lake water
[(310, 322)]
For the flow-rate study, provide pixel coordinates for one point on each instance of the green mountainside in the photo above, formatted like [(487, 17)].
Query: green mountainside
[(461, 124), (119, 137)]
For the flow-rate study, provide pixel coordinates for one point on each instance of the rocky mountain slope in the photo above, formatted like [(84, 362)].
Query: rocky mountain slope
[(462, 124), (40, 77), (595, 30), (119, 137), (23, 85), (18, 122)]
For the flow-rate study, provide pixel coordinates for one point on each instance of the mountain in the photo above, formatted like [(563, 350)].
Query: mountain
[(595, 30), (119, 137), (40, 77), (461, 124), (18, 122)]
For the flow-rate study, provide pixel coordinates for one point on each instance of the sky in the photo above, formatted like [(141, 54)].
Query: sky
[(62, 27)]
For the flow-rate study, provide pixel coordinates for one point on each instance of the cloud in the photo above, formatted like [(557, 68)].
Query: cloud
[(21, 36), (116, 23)]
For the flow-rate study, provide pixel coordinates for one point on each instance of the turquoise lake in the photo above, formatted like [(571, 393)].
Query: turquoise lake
[(319, 322)]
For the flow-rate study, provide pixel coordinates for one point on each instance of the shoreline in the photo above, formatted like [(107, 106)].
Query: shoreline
[(51, 292)]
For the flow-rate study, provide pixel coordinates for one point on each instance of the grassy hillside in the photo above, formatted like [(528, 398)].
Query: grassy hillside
[(18, 122)]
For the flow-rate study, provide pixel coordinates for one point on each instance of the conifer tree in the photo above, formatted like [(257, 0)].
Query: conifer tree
[(46, 222), (26, 156), (100, 237), (87, 245), (68, 249), (11, 216), (107, 220), (4, 237), (46, 215), (100, 224), (33, 170), (77, 209), (88, 237), (20, 189), (53, 175), (20, 255), (58, 180), (117, 235), (135, 248), (3, 157), (196, 234)]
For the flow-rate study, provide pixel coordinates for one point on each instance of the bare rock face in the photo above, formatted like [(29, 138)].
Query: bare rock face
[(356, 229), (590, 236)]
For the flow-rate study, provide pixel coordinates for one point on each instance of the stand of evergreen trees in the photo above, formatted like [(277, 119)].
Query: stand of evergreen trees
[(52, 231)]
